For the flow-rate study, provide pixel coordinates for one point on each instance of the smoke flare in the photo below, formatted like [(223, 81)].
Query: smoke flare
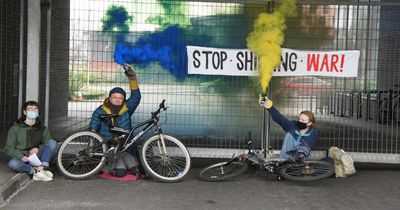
[(267, 37)]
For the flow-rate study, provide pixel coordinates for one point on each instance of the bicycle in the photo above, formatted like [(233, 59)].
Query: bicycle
[(306, 170), (163, 157)]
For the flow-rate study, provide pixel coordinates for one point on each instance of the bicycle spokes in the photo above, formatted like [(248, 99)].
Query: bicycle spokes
[(308, 169), (82, 154), (165, 160)]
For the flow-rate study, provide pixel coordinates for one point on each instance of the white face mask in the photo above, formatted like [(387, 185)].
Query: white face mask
[(32, 115)]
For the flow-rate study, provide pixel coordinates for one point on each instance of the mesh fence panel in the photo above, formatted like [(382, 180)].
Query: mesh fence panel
[(358, 114)]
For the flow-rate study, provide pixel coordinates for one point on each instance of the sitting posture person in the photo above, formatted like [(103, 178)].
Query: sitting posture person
[(116, 103), (300, 135), (28, 137)]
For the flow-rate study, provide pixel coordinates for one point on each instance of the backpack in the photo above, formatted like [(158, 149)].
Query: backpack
[(344, 163)]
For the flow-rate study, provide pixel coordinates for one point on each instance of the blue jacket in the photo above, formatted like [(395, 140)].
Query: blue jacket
[(299, 142), (103, 126)]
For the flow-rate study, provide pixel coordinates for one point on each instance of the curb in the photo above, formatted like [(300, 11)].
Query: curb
[(13, 186)]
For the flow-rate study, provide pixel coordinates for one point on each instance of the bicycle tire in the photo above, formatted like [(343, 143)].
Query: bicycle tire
[(315, 170), (172, 166), (81, 155), (222, 171)]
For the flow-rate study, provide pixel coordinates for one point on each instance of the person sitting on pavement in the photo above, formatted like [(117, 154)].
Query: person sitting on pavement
[(300, 136), (116, 103), (28, 137)]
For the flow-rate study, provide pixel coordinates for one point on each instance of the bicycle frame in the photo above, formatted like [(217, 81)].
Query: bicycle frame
[(257, 157), (149, 124)]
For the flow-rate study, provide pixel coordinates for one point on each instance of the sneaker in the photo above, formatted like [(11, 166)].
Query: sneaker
[(41, 176), (48, 173)]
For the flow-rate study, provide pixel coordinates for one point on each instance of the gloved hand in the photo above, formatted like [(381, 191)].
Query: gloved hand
[(133, 84), (129, 72), (265, 102), (299, 157)]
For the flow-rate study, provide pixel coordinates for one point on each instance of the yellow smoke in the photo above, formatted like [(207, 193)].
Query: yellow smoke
[(267, 37)]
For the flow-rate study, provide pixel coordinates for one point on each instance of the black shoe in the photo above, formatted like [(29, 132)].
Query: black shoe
[(135, 171)]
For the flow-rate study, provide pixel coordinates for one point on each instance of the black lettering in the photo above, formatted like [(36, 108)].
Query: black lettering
[(293, 61), (284, 62), (248, 60), (207, 53), (215, 60), (196, 62), (224, 56), (240, 64)]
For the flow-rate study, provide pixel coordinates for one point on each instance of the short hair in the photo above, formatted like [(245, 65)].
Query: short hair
[(26, 104)]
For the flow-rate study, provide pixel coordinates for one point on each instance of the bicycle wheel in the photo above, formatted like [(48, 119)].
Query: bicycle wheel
[(81, 155), (166, 164), (222, 171), (307, 171)]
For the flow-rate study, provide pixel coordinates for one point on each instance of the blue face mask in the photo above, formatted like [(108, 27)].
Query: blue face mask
[(32, 115)]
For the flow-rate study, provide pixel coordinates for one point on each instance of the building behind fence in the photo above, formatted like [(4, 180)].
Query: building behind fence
[(359, 114)]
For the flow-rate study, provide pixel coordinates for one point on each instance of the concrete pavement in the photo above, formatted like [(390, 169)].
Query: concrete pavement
[(368, 189), (10, 183), (373, 187)]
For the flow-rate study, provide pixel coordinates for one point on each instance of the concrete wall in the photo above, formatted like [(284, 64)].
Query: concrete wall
[(58, 42), (9, 64), (59, 60)]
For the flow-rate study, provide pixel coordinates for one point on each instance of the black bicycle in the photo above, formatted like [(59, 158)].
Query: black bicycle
[(163, 157), (306, 170)]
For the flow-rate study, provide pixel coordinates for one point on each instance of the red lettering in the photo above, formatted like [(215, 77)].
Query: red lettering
[(341, 63), (325, 63), (312, 62), (334, 61)]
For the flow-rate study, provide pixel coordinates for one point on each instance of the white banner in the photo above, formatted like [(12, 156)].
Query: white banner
[(242, 62)]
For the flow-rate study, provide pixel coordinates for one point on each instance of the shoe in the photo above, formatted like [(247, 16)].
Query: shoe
[(135, 171), (41, 176), (48, 173)]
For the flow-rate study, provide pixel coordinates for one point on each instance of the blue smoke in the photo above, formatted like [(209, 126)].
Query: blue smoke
[(166, 47), (116, 20)]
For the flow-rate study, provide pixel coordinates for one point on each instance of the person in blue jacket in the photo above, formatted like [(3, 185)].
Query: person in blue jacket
[(300, 136), (116, 103)]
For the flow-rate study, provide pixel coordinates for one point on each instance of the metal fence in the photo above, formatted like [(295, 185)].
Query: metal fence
[(212, 114), (219, 111)]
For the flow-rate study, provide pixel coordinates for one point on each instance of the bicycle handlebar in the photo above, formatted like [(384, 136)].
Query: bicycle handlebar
[(161, 107)]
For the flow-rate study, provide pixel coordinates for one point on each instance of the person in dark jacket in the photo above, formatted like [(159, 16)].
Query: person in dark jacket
[(116, 103), (300, 136), (27, 138)]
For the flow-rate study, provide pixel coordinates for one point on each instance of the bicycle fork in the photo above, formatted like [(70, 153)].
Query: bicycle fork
[(161, 145)]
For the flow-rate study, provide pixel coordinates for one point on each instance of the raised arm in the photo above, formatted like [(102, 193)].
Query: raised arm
[(134, 100), (275, 114)]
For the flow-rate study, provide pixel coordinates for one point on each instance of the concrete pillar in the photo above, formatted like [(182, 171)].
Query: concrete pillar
[(33, 50)]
